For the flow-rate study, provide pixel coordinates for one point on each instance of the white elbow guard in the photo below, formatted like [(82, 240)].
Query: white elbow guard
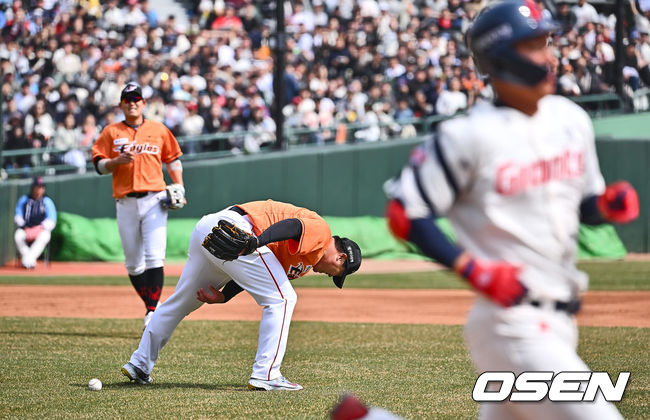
[(101, 166), (175, 165), (19, 220), (48, 224)]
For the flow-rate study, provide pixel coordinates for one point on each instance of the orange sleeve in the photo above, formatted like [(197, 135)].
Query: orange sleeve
[(170, 150), (316, 235), (102, 147)]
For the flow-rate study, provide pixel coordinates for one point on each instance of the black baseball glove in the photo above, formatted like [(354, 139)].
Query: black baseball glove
[(227, 242)]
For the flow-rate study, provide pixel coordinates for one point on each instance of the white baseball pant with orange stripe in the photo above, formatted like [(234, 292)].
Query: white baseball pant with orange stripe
[(260, 274)]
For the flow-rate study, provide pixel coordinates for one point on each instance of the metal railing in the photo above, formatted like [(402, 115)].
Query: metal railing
[(43, 161), (217, 145), (359, 132), (601, 104)]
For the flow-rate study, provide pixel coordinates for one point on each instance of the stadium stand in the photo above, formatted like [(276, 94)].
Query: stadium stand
[(357, 71)]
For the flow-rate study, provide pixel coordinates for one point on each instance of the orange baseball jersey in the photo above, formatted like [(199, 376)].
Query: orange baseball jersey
[(152, 144), (297, 257)]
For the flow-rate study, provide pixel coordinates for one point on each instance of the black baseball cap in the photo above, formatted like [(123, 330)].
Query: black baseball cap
[(352, 262), (38, 182), (131, 90)]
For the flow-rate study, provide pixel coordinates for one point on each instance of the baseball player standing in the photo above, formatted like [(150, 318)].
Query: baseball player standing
[(287, 243), (515, 179), (133, 151)]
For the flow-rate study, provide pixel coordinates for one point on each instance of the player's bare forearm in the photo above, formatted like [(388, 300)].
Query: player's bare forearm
[(123, 159), (176, 176), (110, 165), (175, 169), (211, 296), (230, 290)]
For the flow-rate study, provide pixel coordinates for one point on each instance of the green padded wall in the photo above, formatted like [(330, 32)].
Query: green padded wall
[(623, 126), (628, 159), (7, 202), (342, 180)]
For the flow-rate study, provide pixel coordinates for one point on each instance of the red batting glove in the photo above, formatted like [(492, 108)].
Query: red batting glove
[(398, 222), (497, 280), (619, 203), (349, 408)]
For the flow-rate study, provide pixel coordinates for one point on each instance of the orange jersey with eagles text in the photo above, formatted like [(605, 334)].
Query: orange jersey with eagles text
[(297, 257), (152, 144)]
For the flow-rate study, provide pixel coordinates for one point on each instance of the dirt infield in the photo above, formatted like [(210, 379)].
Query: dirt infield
[(330, 305), (174, 269)]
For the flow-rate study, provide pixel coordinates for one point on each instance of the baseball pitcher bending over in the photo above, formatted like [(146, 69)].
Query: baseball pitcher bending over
[(133, 151), (515, 179), (261, 246)]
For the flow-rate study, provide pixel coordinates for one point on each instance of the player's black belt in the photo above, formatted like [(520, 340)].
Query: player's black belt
[(571, 307), (137, 194), (238, 210)]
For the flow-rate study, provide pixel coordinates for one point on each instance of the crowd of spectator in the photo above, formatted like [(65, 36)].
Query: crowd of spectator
[(381, 63)]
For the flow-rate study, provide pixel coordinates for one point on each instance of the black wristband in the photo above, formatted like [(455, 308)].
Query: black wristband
[(230, 290), (589, 212)]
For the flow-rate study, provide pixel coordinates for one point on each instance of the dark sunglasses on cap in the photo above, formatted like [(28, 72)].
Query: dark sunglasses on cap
[(131, 99)]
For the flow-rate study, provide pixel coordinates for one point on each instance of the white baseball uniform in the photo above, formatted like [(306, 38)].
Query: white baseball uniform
[(511, 186), (142, 224)]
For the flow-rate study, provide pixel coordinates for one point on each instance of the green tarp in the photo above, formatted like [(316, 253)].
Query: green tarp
[(77, 238)]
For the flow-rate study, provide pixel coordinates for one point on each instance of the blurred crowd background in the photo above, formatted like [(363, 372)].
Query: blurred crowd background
[(383, 63)]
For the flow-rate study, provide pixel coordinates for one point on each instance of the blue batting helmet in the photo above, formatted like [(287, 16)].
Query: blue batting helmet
[(493, 34)]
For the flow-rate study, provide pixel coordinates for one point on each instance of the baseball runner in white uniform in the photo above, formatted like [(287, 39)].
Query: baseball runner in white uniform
[(515, 179)]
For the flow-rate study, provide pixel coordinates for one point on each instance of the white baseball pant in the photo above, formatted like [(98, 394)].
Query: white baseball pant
[(142, 223), (526, 338), (30, 253), (259, 273)]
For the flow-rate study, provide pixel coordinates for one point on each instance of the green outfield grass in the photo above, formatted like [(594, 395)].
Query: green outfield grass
[(609, 275), (417, 371)]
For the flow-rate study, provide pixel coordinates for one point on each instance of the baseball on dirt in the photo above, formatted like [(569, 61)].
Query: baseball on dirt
[(95, 384)]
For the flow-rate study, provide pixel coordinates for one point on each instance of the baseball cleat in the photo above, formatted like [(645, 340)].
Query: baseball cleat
[(147, 319), (148, 316), (278, 384), (136, 374)]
